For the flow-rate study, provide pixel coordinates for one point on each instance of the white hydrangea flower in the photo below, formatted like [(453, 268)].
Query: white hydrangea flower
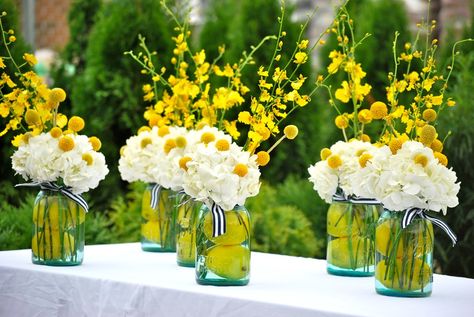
[(210, 175), (327, 180), (401, 183), (41, 160)]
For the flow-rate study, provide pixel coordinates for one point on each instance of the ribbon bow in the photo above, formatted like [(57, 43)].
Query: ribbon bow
[(340, 196), (218, 220), (412, 213), (66, 191), (155, 196)]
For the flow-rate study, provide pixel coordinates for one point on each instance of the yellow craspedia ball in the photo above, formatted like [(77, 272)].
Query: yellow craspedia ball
[(325, 153), (169, 145), (207, 137), (183, 161), (421, 159), (66, 143), (442, 159), (341, 122), (290, 131), (427, 135), (241, 169), (365, 116), (95, 142), (56, 132), (143, 129), (263, 158), (363, 159), (57, 95), (437, 146), (164, 130), (88, 158), (76, 124), (265, 133), (365, 138), (222, 145), (32, 117), (145, 142), (395, 145), (181, 141), (429, 115), (334, 161), (379, 110)]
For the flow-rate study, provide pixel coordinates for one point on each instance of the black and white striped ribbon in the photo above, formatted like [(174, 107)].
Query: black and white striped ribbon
[(155, 196), (66, 191), (412, 213), (218, 220), (340, 196)]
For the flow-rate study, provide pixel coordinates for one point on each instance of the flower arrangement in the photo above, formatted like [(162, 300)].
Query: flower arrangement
[(50, 154)]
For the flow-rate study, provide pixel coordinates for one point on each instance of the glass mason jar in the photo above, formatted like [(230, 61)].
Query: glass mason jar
[(223, 260), (187, 211), (58, 230), (403, 257), (350, 230), (158, 224)]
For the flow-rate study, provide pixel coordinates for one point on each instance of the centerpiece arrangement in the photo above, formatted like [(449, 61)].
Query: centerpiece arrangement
[(51, 155), (405, 170), (206, 164)]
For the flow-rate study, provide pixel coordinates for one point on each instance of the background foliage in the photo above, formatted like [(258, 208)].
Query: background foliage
[(288, 216)]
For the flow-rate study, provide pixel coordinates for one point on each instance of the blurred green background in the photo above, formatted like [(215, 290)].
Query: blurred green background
[(104, 87)]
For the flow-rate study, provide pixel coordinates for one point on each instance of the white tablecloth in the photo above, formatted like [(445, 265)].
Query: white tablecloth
[(122, 280)]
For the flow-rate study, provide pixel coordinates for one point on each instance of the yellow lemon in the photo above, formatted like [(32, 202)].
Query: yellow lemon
[(412, 274), (71, 214), (47, 245), (152, 214), (151, 231), (229, 261), (77, 215), (339, 222), (237, 228), (350, 252), (186, 245), (416, 240)]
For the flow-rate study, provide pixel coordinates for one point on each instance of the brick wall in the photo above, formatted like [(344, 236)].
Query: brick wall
[(51, 26)]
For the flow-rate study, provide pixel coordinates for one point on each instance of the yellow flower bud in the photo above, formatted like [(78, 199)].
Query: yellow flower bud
[(365, 116), (32, 117), (429, 115), (56, 132), (66, 143), (291, 131), (145, 141), (164, 130), (365, 138), (207, 137), (143, 129), (379, 110), (183, 161), (442, 159), (57, 95), (395, 145), (88, 158), (222, 145), (334, 161), (181, 141), (241, 169), (325, 153), (263, 158), (437, 146), (427, 135), (421, 159), (76, 124), (341, 122), (95, 142), (169, 145), (363, 159)]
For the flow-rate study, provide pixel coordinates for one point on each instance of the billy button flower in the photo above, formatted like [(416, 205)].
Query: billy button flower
[(427, 135), (145, 141), (341, 122), (169, 145), (164, 130), (143, 129), (379, 110), (57, 95), (183, 161), (395, 144), (207, 137), (56, 132), (95, 142), (437, 146), (421, 159), (363, 159), (32, 117), (429, 115), (334, 161), (442, 159), (325, 153), (66, 143), (263, 158), (365, 116), (76, 124), (241, 169), (87, 157), (222, 145), (181, 141)]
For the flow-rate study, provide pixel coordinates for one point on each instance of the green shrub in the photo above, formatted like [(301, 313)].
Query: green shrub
[(16, 223), (279, 228)]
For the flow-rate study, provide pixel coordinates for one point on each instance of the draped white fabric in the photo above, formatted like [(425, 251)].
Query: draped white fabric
[(122, 280)]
